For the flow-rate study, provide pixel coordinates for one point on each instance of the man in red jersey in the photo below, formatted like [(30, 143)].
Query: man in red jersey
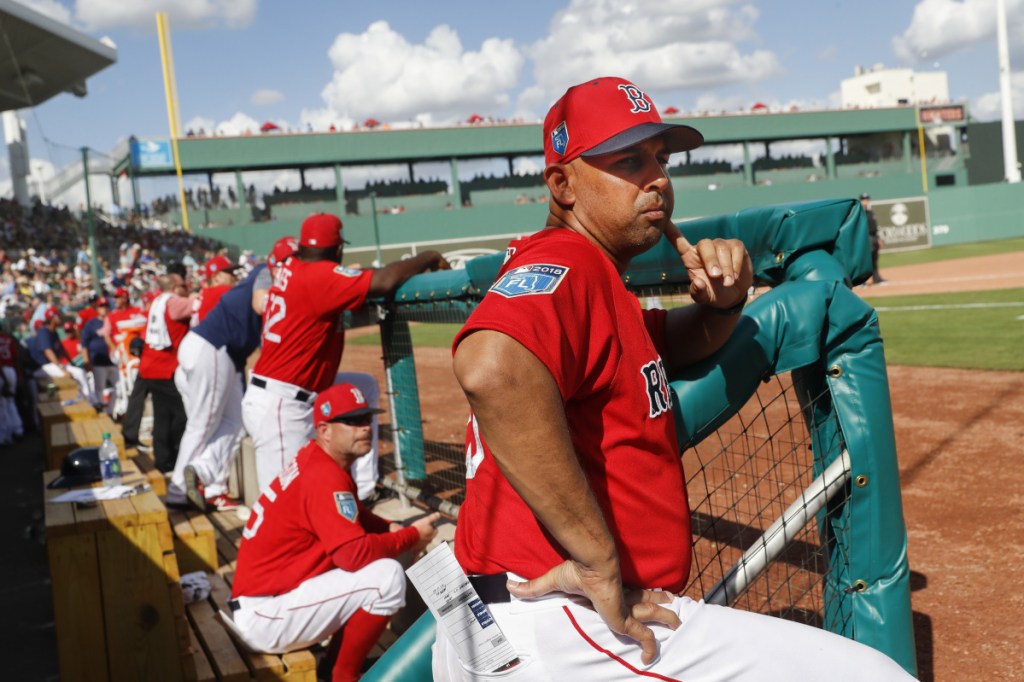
[(221, 275), (575, 487), (124, 322), (314, 563), (166, 326), (304, 336)]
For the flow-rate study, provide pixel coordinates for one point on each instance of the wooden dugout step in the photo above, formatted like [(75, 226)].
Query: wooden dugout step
[(80, 433), (195, 543), (55, 412)]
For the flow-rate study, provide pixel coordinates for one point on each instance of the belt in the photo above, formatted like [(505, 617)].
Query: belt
[(491, 588), (298, 394), (233, 605)]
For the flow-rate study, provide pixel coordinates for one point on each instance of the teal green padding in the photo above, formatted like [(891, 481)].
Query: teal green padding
[(859, 386), (400, 366), (408, 659), (778, 332), (823, 332)]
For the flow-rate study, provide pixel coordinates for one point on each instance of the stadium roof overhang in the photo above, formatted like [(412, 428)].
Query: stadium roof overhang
[(41, 57)]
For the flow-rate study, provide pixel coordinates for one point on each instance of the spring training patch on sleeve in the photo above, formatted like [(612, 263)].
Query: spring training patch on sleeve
[(527, 280)]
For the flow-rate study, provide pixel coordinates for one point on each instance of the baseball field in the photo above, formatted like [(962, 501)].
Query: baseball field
[(956, 375)]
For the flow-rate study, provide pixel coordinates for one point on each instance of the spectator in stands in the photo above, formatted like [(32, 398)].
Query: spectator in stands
[(221, 275)]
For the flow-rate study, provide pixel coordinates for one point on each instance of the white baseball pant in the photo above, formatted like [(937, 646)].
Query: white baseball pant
[(365, 469), (278, 423), (10, 418), (318, 607), (80, 376), (104, 377), (560, 638), (211, 389)]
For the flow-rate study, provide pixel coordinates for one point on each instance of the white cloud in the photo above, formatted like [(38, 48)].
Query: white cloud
[(941, 27), (989, 106), (380, 74), (50, 8), (239, 124), (266, 97), (662, 45), (100, 14)]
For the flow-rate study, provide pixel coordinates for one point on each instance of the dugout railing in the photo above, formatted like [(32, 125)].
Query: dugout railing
[(786, 433)]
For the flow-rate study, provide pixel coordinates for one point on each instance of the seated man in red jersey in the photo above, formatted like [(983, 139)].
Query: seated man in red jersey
[(314, 563)]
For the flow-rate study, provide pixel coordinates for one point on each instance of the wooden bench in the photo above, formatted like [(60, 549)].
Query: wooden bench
[(144, 461), (80, 433), (117, 602), (55, 412)]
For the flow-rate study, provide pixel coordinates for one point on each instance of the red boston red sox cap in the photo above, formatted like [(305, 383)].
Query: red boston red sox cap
[(283, 247), (340, 401), (321, 230), (605, 115), (218, 264)]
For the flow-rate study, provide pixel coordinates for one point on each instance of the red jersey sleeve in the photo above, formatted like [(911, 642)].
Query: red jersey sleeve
[(536, 294)]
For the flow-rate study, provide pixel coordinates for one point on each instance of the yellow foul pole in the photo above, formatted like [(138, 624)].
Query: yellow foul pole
[(171, 93), (920, 150)]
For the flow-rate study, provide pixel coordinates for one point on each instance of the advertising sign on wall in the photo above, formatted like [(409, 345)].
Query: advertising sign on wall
[(903, 223), (152, 154)]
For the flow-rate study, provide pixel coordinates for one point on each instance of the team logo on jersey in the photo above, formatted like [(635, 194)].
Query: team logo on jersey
[(347, 272), (656, 382), (325, 409), (530, 279), (560, 138), (346, 504)]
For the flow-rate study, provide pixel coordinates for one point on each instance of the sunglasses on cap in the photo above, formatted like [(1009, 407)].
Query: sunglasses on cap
[(361, 420)]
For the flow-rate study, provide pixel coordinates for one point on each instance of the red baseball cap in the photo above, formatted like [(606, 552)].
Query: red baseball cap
[(283, 247), (340, 401), (103, 301), (51, 313), (121, 292), (605, 115), (321, 230), (218, 264)]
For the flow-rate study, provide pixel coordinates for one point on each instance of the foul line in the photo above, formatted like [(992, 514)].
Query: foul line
[(951, 306)]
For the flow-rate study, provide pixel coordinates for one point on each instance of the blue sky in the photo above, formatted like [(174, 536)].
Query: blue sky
[(315, 62)]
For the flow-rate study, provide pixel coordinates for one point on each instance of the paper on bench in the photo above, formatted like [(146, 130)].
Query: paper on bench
[(95, 494), (460, 613)]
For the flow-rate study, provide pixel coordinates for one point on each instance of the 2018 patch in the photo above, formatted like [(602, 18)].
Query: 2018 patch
[(525, 280), (346, 504), (347, 272), (560, 138)]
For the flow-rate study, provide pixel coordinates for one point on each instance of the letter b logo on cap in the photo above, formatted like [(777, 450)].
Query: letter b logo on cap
[(636, 98)]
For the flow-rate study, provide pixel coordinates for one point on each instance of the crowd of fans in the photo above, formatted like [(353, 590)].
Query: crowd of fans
[(45, 261), (47, 286)]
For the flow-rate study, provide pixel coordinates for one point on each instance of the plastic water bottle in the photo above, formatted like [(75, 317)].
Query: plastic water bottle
[(110, 465)]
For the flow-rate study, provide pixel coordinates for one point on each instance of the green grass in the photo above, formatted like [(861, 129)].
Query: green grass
[(940, 253), (966, 338), (423, 336)]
